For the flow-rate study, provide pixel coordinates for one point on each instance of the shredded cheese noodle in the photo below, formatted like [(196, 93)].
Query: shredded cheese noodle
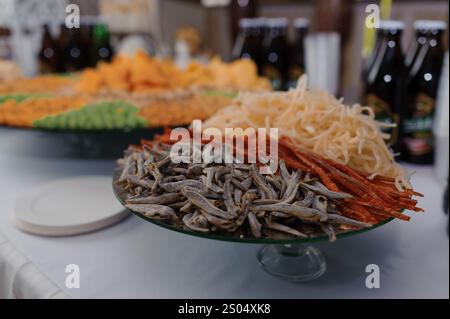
[(319, 122)]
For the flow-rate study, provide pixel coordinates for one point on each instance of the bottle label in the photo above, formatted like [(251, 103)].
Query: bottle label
[(417, 128), (383, 113), (295, 72), (274, 76)]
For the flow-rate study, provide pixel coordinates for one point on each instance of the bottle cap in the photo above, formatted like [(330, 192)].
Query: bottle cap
[(261, 21), (251, 22), (277, 22), (392, 25), (430, 25), (301, 23)]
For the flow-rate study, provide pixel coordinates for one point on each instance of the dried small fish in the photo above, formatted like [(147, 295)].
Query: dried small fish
[(220, 171), (280, 227), (339, 219), (233, 198), (275, 182), (297, 211), (238, 184), (180, 170), (153, 211), (321, 189), (259, 181), (329, 230), (177, 205), (187, 207), (307, 201), (211, 186), (140, 169), (155, 172), (196, 169), (292, 184), (320, 202), (246, 183), (187, 220), (229, 201), (255, 225), (160, 199), (210, 173), (205, 205), (177, 186), (134, 180), (176, 178), (237, 196), (284, 171), (220, 222), (126, 170)]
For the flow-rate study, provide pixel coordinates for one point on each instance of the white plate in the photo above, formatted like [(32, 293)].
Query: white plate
[(68, 207)]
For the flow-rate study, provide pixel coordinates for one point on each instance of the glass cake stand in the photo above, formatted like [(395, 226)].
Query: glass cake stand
[(295, 260)]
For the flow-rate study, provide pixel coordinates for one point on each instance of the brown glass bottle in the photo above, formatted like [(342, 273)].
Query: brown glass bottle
[(101, 49), (49, 58), (384, 82), (5, 43), (276, 59), (238, 10), (297, 52), (248, 43), (373, 55), (86, 34), (62, 42), (421, 90), (75, 58)]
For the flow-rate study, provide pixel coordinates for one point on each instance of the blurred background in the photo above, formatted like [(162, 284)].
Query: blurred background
[(387, 54), (60, 118), (208, 26)]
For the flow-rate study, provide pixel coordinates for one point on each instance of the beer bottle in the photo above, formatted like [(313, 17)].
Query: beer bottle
[(101, 49), (420, 27), (49, 55), (421, 90), (297, 53), (384, 81), (61, 42), (74, 56), (5, 43), (371, 59), (275, 59), (248, 43), (86, 31)]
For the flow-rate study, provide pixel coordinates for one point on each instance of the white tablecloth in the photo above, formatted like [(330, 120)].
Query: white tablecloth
[(19, 277), (137, 259)]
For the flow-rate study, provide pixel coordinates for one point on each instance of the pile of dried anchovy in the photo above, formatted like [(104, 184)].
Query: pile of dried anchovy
[(233, 199)]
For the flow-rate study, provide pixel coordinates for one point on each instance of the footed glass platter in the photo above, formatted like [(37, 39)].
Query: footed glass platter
[(295, 260)]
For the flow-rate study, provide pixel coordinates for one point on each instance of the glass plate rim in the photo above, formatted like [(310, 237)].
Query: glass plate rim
[(246, 240)]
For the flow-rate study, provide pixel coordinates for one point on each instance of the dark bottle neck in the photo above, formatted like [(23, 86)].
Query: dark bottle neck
[(392, 43), (277, 32), (250, 32)]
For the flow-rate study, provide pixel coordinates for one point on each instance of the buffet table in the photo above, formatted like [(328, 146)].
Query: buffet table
[(136, 259)]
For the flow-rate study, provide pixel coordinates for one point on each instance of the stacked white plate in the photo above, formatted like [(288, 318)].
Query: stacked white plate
[(69, 207)]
